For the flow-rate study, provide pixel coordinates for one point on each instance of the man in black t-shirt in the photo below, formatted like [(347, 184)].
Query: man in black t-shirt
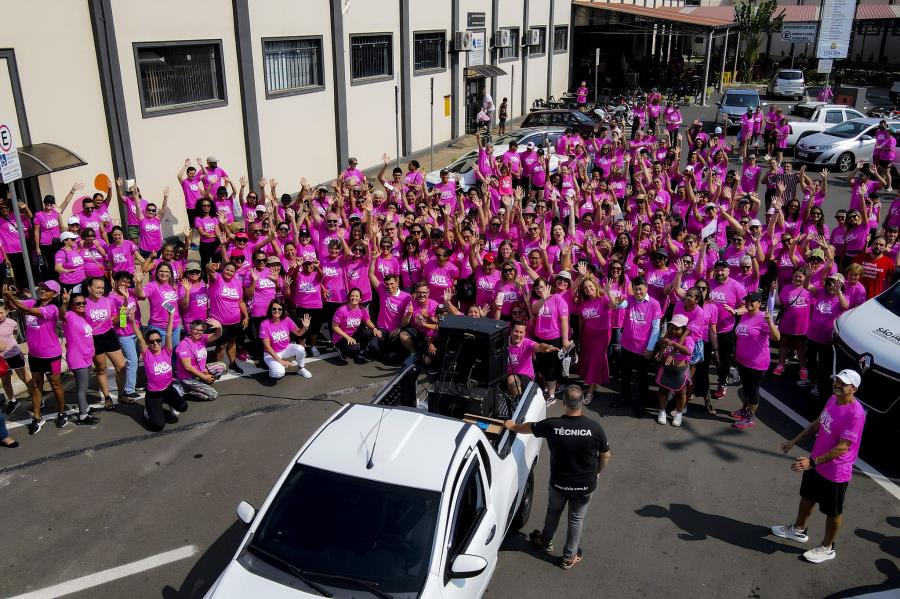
[(578, 452)]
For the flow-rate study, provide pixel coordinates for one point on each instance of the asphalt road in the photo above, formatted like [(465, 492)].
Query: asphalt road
[(678, 512)]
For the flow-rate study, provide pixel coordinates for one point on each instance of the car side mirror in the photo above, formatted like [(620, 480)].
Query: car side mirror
[(866, 138), (765, 103), (246, 512), (468, 566)]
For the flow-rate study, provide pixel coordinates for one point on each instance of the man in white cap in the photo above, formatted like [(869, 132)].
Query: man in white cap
[(828, 469)]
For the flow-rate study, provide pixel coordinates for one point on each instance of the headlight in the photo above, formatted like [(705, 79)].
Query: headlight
[(823, 148)]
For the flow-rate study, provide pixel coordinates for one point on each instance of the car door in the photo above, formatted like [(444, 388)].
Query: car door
[(852, 114), (473, 530), (833, 117), (865, 144)]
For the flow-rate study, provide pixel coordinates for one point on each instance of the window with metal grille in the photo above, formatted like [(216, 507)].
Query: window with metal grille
[(371, 57), (292, 65), (429, 51), (561, 38), (541, 47), (512, 52), (180, 76)]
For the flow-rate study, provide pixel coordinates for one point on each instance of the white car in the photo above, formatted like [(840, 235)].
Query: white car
[(787, 82), (843, 145), (807, 118), (463, 167), (388, 502), (867, 339)]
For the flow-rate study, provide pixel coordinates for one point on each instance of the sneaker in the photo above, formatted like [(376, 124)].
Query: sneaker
[(235, 367), (61, 420), (36, 425), (588, 398), (315, 351), (739, 414), (133, 395), (719, 393), (790, 532), (820, 554), (661, 417), (11, 406), (779, 369), (87, 419), (174, 412), (748, 422), (304, 373), (243, 354), (676, 421), (170, 416), (537, 538), (804, 375), (551, 401), (567, 563)]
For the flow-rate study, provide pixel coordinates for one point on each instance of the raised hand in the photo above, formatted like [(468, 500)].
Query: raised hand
[(243, 182), (306, 321)]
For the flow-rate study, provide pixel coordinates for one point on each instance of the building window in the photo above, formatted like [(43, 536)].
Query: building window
[(541, 48), (180, 76), (371, 58), (561, 38), (429, 51), (292, 65), (512, 52)]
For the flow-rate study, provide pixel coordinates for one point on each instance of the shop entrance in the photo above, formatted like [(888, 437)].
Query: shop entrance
[(474, 99)]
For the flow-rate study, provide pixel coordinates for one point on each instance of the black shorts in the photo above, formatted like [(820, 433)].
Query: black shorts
[(827, 493), (536, 187), (16, 361), (232, 331), (106, 342), (770, 136), (548, 364), (45, 365), (883, 163)]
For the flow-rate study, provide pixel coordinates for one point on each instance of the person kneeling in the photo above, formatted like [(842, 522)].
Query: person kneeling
[(158, 368), (195, 376), (275, 333)]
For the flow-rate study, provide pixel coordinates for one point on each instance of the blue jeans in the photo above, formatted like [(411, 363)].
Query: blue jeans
[(128, 343), (3, 432), (176, 335)]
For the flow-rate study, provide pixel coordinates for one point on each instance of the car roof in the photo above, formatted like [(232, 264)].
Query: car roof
[(413, 448), (790, 70), (873, 121), (743, 92)]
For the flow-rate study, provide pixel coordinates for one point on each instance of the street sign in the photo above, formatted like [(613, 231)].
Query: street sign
[(799, 33), (825, 65), (834, 33), (10, 170)]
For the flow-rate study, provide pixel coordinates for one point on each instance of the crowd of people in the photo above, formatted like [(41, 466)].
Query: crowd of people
[(648, 254)]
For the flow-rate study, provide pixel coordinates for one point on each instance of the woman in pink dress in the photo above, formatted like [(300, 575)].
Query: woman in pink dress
[(593, 306)]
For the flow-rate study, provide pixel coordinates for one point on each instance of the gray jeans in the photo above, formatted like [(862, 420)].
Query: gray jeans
[(82, 380), (578, 505)]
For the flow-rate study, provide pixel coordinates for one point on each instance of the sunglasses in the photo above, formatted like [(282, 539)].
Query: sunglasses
[(283, 230), (332, 222), (154, 341), (239, 259), (277, 310), (442, 255), (76, 304), (509, 270), (359, 250), (259, 260), (256, 231), (240, 240)]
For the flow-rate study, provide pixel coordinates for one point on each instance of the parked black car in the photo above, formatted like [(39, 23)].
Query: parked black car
[(562, 117)]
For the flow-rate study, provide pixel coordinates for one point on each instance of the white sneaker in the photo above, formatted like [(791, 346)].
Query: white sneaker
[(661, 417), (174, 412), (304, 373), (790, 532), (676, 420), (820, 554), (314, 351)]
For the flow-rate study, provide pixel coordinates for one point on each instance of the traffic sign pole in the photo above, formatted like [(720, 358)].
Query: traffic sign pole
[(10, 172), (25, 255)]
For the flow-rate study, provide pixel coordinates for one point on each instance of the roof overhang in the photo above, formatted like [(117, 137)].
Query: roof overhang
[(46, 158), (485, 70), (670, 14)]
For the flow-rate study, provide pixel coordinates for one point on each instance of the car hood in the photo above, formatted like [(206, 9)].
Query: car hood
[(236, 582), (821, 139), (734, 110), (872, 329)]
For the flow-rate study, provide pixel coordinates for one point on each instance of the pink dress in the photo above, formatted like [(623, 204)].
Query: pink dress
[(593, 363)]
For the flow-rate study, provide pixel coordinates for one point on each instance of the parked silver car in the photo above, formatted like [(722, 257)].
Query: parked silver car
[(788, 82), (843, 145)]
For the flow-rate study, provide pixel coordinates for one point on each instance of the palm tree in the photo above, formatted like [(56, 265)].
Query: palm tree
[(755, 20)]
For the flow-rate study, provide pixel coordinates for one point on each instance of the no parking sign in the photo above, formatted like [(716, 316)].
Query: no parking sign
[(10, 170)]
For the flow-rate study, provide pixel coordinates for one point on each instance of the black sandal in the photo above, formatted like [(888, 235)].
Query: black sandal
[(709, 408), (108, 404)]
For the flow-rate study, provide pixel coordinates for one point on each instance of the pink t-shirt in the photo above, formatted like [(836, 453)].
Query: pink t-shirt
[(307, 292), (349, 319), (486, 286), (9, 236), (422, 315), (198, 302), (158, 368), (729, 293), (150, 235), (40, 331), (48, 225), (94, 263), (440, 278), (839, 422), (698, 319), (225, 299), (130, 303), (264, 291), (637, 327), (825, 310), (595, 314), (334, 278), (121, 257), (546, 323), (158, 294), (795, 306), (100, 314), (195, 351), (79, 341), (191, 189), (752, 341), (520, 358), (73, 260), (393, 307), (206, 225), (278, 333)]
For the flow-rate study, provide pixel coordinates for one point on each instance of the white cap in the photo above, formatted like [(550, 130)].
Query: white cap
[(679, 320), (530, 145), (718, 130), (755, 223), (73, 220), (689, 168), (67, 235), (260, 208), (851, 377), (710, 205), (570, 193)]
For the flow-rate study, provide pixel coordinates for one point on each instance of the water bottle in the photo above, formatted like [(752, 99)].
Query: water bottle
[(123, 318)]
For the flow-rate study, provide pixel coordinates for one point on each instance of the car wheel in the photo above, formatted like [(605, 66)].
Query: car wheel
[(524, 512), (845, 162)]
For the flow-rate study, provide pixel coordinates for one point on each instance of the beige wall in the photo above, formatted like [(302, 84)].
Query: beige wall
[(296, 132), (510, 85), (161, 143), (371, 113), (425, 15), (63, 105), (539, 16), (561, 16)]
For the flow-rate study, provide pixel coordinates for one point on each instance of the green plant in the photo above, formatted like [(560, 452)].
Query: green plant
[(755, 20)]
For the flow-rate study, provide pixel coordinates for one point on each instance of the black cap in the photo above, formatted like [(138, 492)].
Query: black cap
[(304, 233), (720, 264), (660, 252), (755, 296)]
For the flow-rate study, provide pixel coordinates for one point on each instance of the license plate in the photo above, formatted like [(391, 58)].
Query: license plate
[(802, 154)]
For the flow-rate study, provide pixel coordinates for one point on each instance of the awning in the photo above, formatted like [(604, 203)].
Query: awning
[(43, 159), (485, 70)]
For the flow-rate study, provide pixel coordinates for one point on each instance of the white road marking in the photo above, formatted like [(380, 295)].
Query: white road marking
[(249, 370), (880, 479), (105, 576)]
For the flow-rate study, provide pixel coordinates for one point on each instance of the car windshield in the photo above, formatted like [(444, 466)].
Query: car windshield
[(338, 525), (847, 130), (744, 100), (583, 118), (463, 164), (803, 112), (516, 136), (790, 75), (890, 299)]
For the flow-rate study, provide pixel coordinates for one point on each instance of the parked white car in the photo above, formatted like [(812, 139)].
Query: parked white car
[(464, 166), (787, 82), (807, 118), (842, 145), (388, 502)]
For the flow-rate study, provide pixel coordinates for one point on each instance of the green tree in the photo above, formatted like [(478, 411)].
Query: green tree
[(755, 20)]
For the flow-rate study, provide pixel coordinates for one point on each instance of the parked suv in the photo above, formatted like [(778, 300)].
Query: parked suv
[(788, 82), (563, 117), (733, 105)]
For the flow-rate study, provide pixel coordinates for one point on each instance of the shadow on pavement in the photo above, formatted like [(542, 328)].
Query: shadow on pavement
[(210, 565), (699, 526), (888, 544), (519, 542), (890, 587)]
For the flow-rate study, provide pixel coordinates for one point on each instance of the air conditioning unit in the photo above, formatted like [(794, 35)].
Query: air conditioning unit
[(463, 40), (533, 37), (503, 38)]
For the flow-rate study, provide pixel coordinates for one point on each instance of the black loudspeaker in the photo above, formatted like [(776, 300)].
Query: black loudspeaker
[(457, 399), (473, 350)]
